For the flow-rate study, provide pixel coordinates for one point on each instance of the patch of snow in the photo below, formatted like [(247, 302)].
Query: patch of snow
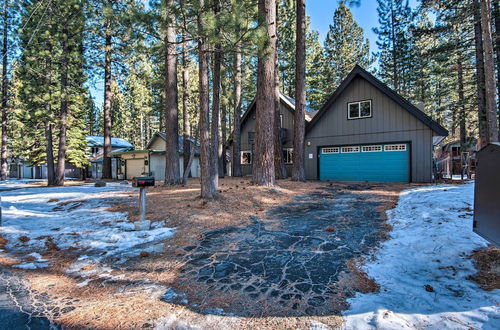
[(31, 265), (37, 257), (171, 296), (429, 245), (84, 282), (78, 220), (173, 322), (315, 325)]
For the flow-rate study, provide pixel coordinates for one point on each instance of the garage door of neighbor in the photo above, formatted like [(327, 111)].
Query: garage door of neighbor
[(135, 167), (377, 163)]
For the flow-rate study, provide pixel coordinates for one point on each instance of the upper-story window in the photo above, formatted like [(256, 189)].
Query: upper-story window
[(361, 109)]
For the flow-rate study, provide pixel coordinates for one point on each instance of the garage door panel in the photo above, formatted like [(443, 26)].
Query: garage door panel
[(135, 167), (377, 166)]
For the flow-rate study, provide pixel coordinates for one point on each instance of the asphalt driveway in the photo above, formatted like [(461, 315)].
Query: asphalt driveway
[(290, 263)]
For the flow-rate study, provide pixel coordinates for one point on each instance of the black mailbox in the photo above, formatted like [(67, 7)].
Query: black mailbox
[(143, 181)]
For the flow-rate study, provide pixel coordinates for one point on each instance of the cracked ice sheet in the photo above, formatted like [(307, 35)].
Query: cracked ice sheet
[(430, 244), (84, 225)]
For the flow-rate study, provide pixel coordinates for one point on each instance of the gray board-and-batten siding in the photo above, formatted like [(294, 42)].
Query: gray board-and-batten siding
[(390, 123)]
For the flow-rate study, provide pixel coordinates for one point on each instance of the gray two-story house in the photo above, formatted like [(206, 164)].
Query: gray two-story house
[(287, 111)]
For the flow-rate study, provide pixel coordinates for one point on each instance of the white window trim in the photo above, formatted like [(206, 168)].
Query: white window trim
[(291, 159), (379, 147), (359, 109), (241, 157), (330, 150), (355, 149), (399, 147)]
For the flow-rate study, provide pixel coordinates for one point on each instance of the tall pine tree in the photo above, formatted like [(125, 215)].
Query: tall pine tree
[(345, 46)]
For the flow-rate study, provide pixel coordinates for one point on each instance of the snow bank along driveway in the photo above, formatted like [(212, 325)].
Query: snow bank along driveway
[(429, 245), (73, 217)]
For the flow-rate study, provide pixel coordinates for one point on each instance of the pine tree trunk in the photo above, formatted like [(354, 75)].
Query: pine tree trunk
[(496, 19), (481, 96), (461, 101), (214, 141), (187, 169), (395, 77), (172, 171), (185, 114), (263, 165), (298, 173), (222, 145), (49, 150), (279, 163), (5, 84), (106, 161), (237, 115), (489, 71), (63, 115), (208, 186), (49, 147), (215, 157)]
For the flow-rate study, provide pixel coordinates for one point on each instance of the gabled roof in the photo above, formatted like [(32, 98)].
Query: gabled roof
[(405, 104), (163, 136), (288, 101), (98, 141)]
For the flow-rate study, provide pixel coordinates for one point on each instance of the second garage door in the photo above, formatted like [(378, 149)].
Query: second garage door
[(377, 163), (135, 167)]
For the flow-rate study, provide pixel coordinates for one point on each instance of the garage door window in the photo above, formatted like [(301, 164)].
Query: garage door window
[(347, 150), (333, 150), (371, 148), (395, 147), (357, 110)]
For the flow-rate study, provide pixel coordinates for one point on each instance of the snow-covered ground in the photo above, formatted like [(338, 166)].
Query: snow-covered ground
[(429, 245), (73, 217)]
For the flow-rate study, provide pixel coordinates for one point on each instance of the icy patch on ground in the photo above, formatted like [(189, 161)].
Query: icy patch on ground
[(75, 217), (430, 244)]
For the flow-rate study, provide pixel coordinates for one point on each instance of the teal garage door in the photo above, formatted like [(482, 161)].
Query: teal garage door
[(377, 163)]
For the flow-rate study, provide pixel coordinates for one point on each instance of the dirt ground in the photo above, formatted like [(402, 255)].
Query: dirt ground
[(131, 298), (487, 262)]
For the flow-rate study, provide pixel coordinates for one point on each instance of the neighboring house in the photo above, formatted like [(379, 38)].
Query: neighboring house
[(96, 148), (367, 132), (450, 161), (151, 161), (287, 110), (19, 168)]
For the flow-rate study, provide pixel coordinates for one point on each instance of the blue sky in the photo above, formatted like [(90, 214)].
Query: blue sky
[(321, 13)]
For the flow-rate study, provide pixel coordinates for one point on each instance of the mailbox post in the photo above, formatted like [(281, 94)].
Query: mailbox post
[(142, 182)]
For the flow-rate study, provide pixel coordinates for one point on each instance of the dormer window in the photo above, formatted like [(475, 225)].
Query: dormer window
[(361, 109)]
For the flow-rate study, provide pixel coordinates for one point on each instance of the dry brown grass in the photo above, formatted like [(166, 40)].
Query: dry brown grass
[(3, 242), (487, 262), (24, 239), (238, 199), (359, 279), (64, 203)]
